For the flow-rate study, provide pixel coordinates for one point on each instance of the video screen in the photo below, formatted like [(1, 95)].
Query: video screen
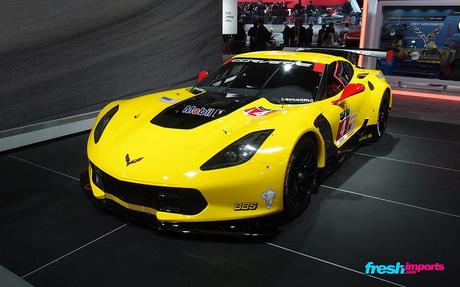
[(425, 41)]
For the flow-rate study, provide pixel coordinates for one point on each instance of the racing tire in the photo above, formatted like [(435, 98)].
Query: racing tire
[(301, 178), (382, 118)]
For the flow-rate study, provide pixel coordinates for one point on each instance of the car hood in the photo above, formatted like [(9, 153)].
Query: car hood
[(177, 131), (195, 122)]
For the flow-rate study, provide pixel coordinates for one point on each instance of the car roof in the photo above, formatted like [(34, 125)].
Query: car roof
[(291, 56)]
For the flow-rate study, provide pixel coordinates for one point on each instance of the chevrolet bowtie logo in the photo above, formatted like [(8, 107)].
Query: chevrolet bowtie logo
[(129, 161)]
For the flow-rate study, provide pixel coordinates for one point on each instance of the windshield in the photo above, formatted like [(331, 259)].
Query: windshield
[(278, 81)]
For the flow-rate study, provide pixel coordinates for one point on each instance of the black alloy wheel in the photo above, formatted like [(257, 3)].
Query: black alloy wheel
[(384, 111), (378, 130), (301, 177)]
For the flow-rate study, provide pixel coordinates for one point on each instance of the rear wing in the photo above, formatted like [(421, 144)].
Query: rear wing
[(350, 54)]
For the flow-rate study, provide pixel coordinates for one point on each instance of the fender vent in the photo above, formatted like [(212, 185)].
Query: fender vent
[(371, 86)]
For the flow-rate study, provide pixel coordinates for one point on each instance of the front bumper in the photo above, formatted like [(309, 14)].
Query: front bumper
[(221, 191), (187, 201), (265, 226)]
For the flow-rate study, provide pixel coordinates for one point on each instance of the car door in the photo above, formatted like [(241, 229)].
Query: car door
[(344, 117), (356, 102)]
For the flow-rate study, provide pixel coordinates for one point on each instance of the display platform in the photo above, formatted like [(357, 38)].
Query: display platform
[(394, 201)]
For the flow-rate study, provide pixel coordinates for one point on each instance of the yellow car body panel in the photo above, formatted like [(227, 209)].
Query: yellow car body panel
[(173, 157)]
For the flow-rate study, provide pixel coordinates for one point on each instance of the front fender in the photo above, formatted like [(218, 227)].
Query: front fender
[(380, 86)]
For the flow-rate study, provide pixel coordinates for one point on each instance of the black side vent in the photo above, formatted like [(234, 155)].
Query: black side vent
[(363, 75), (371, 86)]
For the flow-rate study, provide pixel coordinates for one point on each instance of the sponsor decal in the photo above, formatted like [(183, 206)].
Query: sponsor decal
[(272, 62), (297, 100), (168, 100), (131, 161), (398, 268), (257, 111), (346, 125), (244, 206), (380, 75), (205, 112), (269, 196)]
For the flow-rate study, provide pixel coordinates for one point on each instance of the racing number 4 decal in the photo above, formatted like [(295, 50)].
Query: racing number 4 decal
[(343, 123), (346, 125)]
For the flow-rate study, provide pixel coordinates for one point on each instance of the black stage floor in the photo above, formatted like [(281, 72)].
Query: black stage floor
[(395, 201)]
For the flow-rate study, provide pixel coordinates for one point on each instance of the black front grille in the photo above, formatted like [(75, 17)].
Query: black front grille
[(168, 199)]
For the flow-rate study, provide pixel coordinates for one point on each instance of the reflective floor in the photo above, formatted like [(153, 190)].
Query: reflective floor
[(394, 201)]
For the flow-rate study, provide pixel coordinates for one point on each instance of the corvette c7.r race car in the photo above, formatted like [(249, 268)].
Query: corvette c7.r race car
[(250, 140)]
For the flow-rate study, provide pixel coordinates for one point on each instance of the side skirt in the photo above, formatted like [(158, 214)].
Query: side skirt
[(338, 155)]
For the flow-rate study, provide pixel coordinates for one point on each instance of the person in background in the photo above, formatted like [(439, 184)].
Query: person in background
[(286, 35), (252, 34), (309, 11), (275, 13), (260, 10), (272, 42), (268, 13), (240, 38), (321, 33), (346, 8), (261, 37), (285, 11), (297, 10), (310, 8), (342, 34), (309, 35), (330, 37), (298, 34)]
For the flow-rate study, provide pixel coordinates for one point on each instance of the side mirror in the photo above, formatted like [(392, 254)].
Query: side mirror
[(350, 90), (202, 75)]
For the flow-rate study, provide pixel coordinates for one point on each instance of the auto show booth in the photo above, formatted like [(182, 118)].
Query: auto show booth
[(139, 147)]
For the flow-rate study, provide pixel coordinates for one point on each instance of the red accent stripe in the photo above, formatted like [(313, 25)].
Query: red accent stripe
[(228, 61), (338, 77), (318, 67)]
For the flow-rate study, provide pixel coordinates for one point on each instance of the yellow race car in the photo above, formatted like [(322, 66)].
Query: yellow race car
[(250, 141)]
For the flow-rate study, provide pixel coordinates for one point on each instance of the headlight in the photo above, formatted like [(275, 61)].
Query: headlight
[(103, 123), (238, 152)]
